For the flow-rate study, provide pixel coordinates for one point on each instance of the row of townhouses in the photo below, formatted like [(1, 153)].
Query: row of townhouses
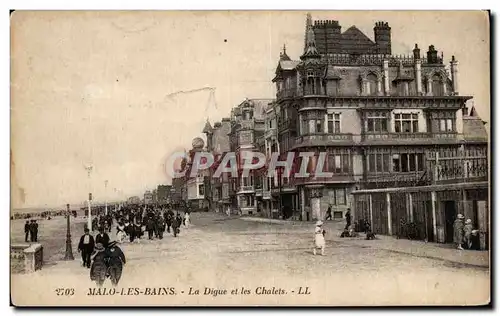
[(400, 140)]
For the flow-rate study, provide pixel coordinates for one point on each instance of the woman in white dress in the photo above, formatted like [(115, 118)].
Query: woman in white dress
[(319, 238), (120, 233), (187, 219)]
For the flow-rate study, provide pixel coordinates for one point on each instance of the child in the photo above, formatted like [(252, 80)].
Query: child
[(468, 233), (319, 238)]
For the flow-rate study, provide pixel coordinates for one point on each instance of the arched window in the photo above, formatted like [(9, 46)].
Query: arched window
[(371, 84), (437, 85)]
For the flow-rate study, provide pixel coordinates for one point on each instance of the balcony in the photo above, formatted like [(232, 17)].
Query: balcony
[(323, 140), (266, 195), (410, 138), (337, 178), (270, 133), (246, 189), (247, 124), (288, 93), (258, 192)]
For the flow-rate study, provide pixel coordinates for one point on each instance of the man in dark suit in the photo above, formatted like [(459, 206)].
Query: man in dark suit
[(33, 231), (26, 231), (102, 237), (86, 247)]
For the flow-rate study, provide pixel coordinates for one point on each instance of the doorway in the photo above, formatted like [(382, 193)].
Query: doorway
[(450, 213)]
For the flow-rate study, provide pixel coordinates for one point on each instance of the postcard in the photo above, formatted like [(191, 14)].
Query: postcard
[(250, 158)]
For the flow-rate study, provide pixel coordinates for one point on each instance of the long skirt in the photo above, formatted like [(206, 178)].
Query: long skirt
[(98, 272), (115, 273), (319, 241)]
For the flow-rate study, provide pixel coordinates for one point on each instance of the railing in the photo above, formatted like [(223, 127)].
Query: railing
[(323, 138), (246, 188), (374, 59), (270, 133), (406, 136), (464, 169), (288, 93), (266, 194), (247, 124)]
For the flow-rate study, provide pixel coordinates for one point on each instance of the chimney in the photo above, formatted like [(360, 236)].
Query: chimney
[(382, 33), (454, 74)]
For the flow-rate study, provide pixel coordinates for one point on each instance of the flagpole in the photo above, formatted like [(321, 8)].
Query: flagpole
[(89, 201)]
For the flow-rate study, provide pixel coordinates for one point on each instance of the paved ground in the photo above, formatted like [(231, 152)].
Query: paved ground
[(232, 253)]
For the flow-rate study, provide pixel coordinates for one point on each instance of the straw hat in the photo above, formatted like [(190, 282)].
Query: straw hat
[(460, 216), (468, 221), (319, 223)]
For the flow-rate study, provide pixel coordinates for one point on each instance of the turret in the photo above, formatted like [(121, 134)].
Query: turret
[(382, 33)]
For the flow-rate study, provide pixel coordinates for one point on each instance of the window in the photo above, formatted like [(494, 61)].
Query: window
[(378, 162), (437, 85), (340, 198), (201, 189), (446, 125), (312, 127), (376, 122), (334, 123), (407, 162), (395, 163), (406, 123), (319, 126), (371, 84), (338, 163)]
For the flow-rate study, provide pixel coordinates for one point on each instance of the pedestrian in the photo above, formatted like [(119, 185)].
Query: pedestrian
[(187, 219), (34, 231), (98, 269), (458, 231), (160, 227), (26, 231), (319, 238), (348, 218), (468, 234), (86, 247), (168, 220), (102, 237), (116, 260), (150, 227), (176, 222), (329, 213), (120, 232)]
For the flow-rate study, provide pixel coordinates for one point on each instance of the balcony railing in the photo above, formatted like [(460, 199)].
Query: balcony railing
[(408, 136), (246, 189), (322, 139), (270, 133), (247, 124), (288, 93)]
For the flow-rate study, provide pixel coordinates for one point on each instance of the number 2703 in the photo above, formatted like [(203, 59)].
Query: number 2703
[(65, 291)]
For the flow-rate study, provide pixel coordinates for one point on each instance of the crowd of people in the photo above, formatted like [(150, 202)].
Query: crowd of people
[(104, 257)]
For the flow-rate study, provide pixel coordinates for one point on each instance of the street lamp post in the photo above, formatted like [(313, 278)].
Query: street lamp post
[(89, 201), (105, 197), (69, 249)]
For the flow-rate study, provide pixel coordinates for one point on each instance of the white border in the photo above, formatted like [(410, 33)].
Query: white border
[(182, 5)]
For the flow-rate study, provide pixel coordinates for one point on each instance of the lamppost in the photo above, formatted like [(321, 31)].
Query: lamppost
[(106, 197), (89, 201), (69, 249)]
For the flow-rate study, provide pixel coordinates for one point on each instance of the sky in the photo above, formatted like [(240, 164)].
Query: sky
[(122, 90)]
